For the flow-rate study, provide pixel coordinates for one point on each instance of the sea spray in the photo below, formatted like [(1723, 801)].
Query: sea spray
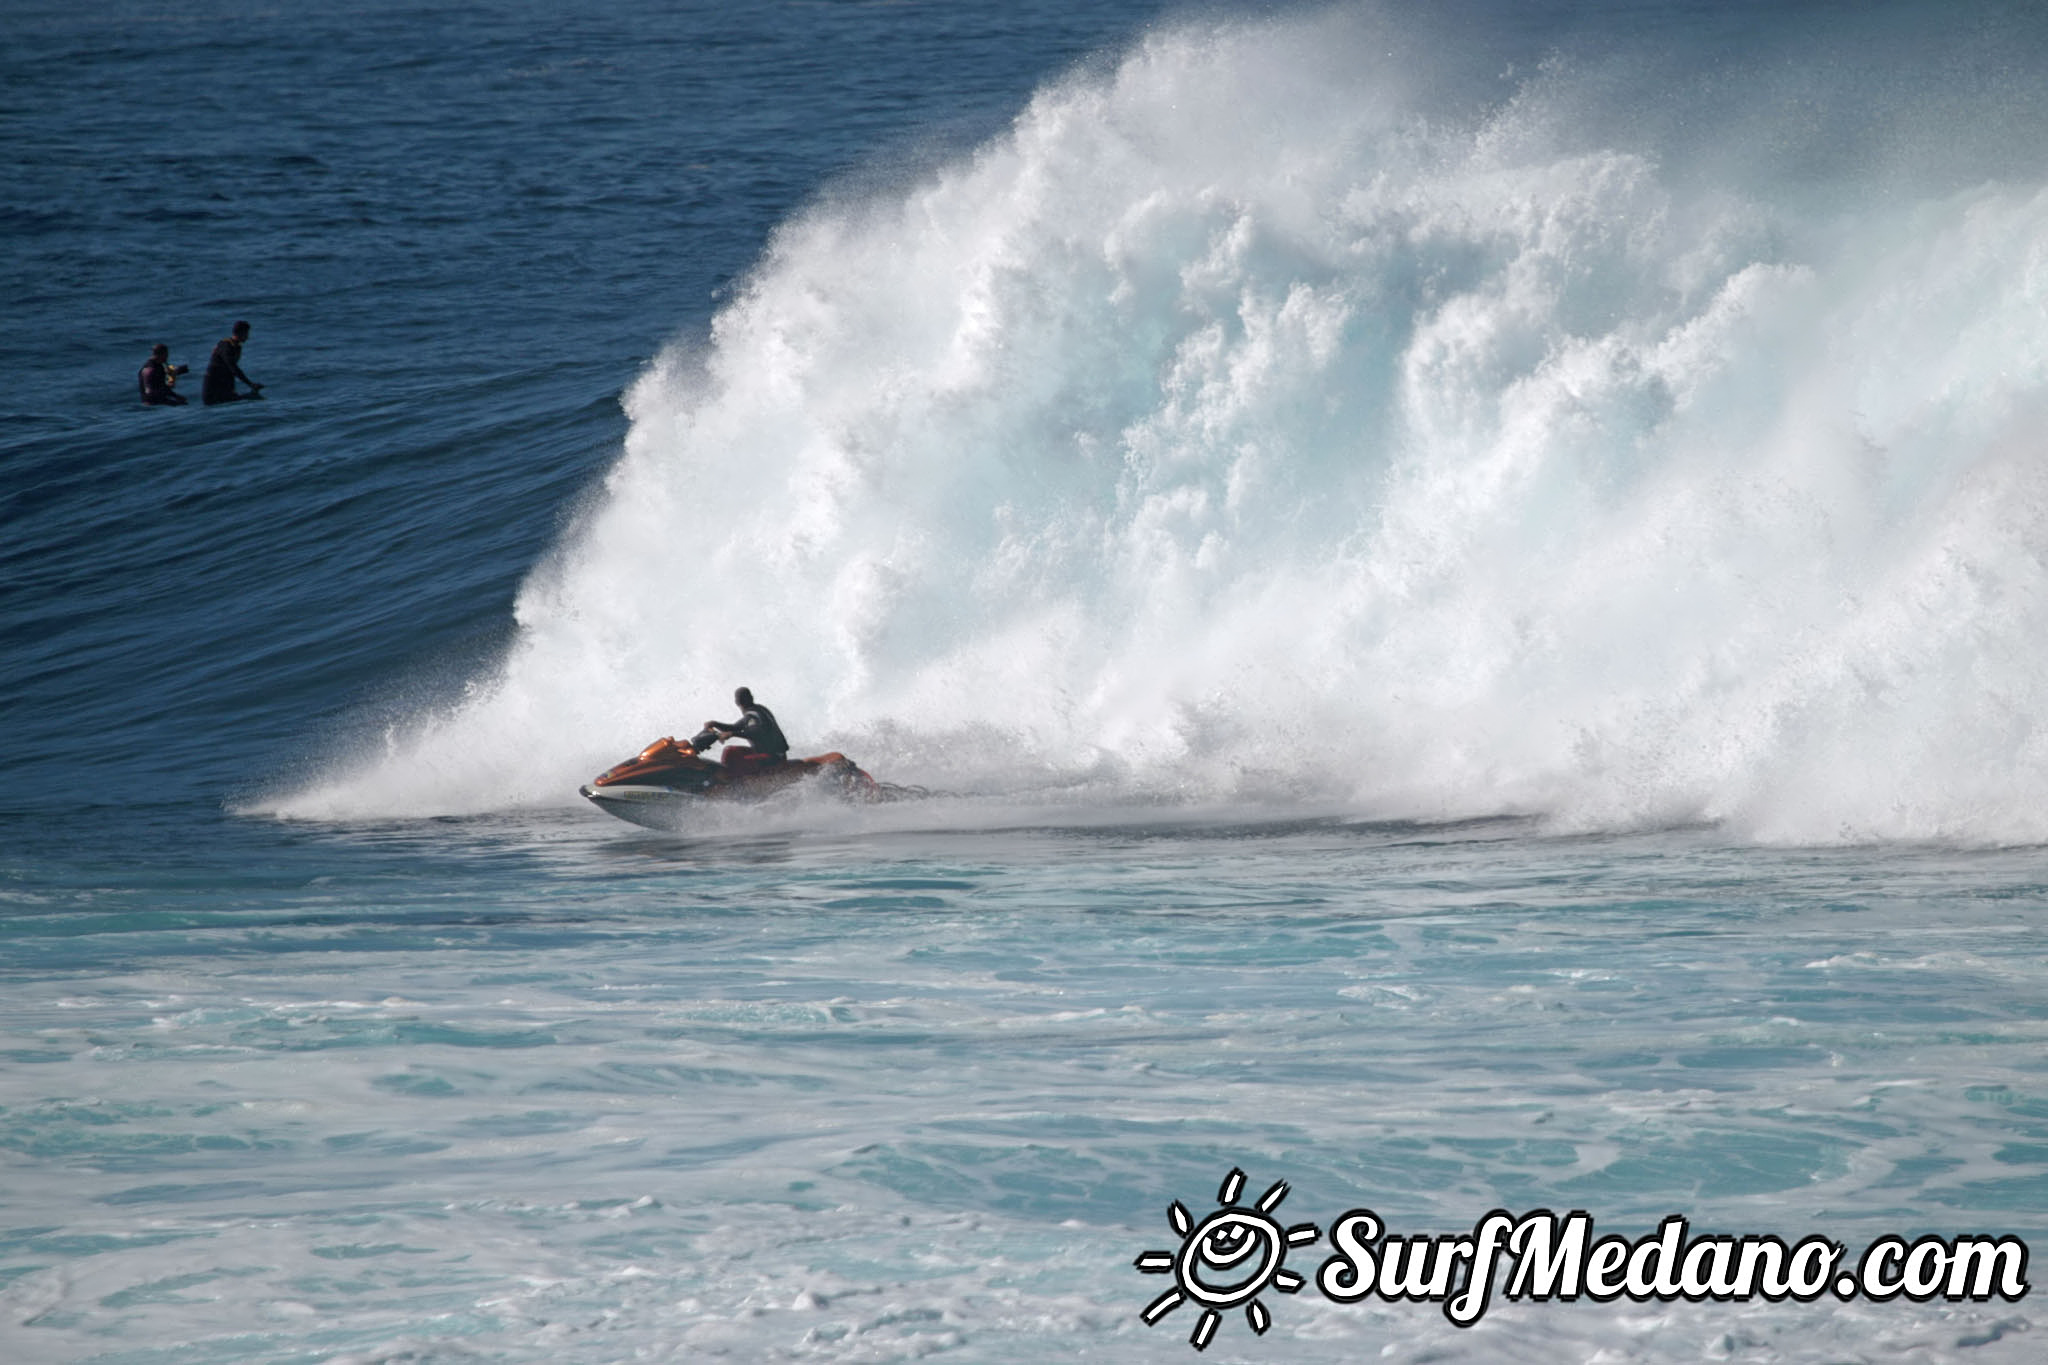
[(1232, 428)]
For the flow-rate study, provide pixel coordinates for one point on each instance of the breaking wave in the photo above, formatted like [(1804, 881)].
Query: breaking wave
[(1253, 423)]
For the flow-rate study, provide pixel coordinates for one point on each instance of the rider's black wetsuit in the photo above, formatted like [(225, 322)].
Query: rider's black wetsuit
[(757, 727)]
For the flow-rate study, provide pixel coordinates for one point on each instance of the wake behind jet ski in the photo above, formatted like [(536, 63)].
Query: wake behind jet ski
[(663, 782)]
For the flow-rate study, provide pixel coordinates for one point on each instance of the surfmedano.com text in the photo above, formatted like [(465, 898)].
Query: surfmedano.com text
[(1541, 1256)]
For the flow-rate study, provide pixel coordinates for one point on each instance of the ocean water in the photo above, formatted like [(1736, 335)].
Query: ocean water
[(1467, 582)]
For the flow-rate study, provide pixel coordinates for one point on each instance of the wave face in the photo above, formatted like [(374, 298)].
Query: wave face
[(1253, 423)]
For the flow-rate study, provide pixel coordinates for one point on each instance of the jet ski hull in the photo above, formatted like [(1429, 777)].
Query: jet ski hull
[(661, 786)]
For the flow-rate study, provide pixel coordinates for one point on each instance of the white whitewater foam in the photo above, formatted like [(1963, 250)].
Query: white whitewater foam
[(1228, 430)]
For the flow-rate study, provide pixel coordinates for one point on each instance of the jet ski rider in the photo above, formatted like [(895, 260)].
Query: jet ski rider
[(757, 726)]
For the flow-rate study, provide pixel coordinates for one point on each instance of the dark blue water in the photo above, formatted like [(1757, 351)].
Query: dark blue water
[(1468, 577), (458, 233)]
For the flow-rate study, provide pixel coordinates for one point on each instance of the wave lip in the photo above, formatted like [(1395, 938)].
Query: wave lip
[(1231, 426)]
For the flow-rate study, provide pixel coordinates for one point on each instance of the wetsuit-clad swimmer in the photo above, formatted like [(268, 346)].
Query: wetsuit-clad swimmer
[(218, 385), (158, 376), (757, 727)]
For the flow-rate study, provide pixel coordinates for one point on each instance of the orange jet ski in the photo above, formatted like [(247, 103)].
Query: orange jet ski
[(659, 785)]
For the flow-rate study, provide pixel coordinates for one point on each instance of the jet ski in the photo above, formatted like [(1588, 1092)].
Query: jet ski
[(658, 786)]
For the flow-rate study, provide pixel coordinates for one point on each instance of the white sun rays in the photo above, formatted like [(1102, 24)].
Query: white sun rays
[(1228, 1259)]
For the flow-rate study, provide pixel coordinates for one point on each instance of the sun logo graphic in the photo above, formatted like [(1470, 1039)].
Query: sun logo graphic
[(1227, 1259)]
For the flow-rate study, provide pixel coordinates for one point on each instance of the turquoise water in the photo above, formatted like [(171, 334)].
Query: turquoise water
[(1467, 584), (530, 1089)]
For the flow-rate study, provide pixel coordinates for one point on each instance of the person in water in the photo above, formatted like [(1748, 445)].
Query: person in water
[(757, 727), (218, 385), (158, 378)]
